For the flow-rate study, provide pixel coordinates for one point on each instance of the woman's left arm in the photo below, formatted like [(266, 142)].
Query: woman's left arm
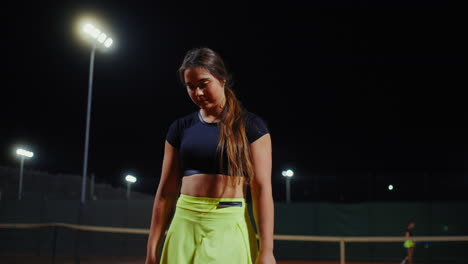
[(262, 197)]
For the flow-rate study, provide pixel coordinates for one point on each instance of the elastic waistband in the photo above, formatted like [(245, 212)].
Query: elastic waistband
[(208, 200), (208, 204)]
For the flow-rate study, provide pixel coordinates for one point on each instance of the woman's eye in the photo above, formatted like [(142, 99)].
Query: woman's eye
[(201, 86)]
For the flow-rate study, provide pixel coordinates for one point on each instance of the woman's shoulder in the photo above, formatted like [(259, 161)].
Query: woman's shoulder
[(177, 127), (251, 117), (255, 126)]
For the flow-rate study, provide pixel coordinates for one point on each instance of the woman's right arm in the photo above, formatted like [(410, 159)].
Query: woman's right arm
[(164, 202)]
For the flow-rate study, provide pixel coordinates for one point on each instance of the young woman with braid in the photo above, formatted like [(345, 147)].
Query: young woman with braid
[(211, 156)]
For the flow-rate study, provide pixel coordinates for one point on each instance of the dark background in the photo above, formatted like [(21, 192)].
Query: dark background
[(356, 95)]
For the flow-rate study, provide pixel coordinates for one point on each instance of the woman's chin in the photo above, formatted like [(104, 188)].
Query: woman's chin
[(205, 106)]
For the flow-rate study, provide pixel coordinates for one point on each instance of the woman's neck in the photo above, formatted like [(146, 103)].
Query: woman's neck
[(213, 114), (210, 116)]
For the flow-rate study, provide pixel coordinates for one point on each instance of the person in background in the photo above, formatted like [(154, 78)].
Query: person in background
[(409, 244)]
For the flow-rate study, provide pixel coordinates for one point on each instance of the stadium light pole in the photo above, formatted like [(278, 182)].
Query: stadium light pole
[(288, 175), (130, 179), (22, 154), (98, 39)]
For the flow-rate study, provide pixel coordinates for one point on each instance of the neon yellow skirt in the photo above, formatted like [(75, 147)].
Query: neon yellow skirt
[(210, 230), (409, 244)]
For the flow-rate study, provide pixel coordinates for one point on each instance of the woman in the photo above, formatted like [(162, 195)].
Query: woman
[(409, 244), (210, 157)]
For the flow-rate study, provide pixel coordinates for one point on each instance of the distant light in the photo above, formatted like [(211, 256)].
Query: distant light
[(445, 228), (102, 37), (88, 28), (108, 42), (25, 153), (95, 32), (287, 173), (390, 187), (130, 178)]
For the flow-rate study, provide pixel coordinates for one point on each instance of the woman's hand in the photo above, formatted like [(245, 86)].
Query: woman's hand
[(152, 256), (152, 259), (266, 258)]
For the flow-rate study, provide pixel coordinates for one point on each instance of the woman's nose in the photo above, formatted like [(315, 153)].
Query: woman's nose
[(198, 92)]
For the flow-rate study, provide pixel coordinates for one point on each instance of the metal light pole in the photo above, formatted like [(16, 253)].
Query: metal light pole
[(97, 38), (288, 175), (130, 179), (23, 154), (88, 119)]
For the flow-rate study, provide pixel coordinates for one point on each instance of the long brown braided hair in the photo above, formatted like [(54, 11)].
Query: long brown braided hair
[(232, 137)]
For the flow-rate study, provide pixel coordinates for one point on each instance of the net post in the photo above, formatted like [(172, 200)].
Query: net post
[(342, 251)]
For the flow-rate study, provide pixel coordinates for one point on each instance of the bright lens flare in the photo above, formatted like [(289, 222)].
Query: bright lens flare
[(130, 178), (88, 28), (102, 37), (287, 173), (25, 153), (95, 32), (108, 42)]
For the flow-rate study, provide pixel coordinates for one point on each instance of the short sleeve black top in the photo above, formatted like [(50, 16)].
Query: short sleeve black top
[(197, 141)]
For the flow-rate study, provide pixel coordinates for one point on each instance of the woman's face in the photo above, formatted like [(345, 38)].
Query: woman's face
[(204, 89)]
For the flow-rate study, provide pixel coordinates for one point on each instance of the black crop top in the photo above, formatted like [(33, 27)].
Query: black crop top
[(197, 142), (409, 231)]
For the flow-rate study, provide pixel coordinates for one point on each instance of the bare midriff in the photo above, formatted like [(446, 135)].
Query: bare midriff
[(213, 185)]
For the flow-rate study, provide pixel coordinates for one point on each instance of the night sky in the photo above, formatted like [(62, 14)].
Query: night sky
[(356, 96)]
